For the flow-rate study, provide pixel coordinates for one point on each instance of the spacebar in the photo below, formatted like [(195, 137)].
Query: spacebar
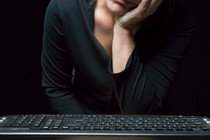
[(18, 128)]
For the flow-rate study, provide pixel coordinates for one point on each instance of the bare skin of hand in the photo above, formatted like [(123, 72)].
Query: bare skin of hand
[(125, 27), (132, 18)]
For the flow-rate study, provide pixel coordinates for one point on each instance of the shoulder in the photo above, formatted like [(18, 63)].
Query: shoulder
[(173, 10), (61, 4), (172, 16), (178, 14), (67, 8), (66, 5)]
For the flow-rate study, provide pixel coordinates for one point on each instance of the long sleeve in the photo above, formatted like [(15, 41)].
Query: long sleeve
[(56, 67), (69, 43), (142, 86)]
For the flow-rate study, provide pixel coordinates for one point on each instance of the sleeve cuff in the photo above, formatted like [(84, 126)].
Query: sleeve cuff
[(127, 67)]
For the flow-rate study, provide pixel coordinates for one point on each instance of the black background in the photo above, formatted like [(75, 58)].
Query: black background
[(20, 71)]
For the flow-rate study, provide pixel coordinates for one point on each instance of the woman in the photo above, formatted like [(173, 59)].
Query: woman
[(112, 56)]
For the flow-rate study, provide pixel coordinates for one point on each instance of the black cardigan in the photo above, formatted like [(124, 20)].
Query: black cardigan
[(76, 70)]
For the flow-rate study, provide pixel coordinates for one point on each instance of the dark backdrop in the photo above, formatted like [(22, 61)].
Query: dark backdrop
[(21, 41), (190, 93)]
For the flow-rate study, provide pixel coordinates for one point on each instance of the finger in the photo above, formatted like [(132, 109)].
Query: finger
[(154, 4), (143, 5), (140, 10)]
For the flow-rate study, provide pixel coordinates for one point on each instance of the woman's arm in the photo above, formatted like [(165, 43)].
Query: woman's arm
[(141, 86), (123, 45), (125, 29), (56, 68)]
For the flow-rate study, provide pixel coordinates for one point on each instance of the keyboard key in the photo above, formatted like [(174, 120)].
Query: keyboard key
[(113, 123)]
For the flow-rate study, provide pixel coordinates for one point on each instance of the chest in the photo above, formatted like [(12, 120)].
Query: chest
[(103, 30), (105, 39)]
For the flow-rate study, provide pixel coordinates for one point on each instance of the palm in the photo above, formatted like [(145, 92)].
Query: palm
[(136, 16)]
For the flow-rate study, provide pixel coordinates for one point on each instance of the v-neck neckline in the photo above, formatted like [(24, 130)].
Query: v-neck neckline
[(90, 11)]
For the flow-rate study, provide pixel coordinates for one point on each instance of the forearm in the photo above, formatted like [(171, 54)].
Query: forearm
[(122, 47), (63, 101)]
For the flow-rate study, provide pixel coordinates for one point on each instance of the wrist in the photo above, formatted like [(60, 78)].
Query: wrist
[(122, 38), (122, 47), (118, 27), (120, 30)]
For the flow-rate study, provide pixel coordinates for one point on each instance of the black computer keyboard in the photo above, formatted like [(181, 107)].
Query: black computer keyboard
[(104, 125)]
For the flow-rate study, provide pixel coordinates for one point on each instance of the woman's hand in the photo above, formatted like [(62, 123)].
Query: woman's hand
[(132, 19), (124, 29)]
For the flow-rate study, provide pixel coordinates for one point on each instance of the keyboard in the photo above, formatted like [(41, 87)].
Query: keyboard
[(136, 125)]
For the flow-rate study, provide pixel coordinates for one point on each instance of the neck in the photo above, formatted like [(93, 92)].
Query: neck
[(103, 15), (103, 6)]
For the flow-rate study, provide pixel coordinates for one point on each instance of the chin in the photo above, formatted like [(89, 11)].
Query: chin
[(118, 13), (117, 9)]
